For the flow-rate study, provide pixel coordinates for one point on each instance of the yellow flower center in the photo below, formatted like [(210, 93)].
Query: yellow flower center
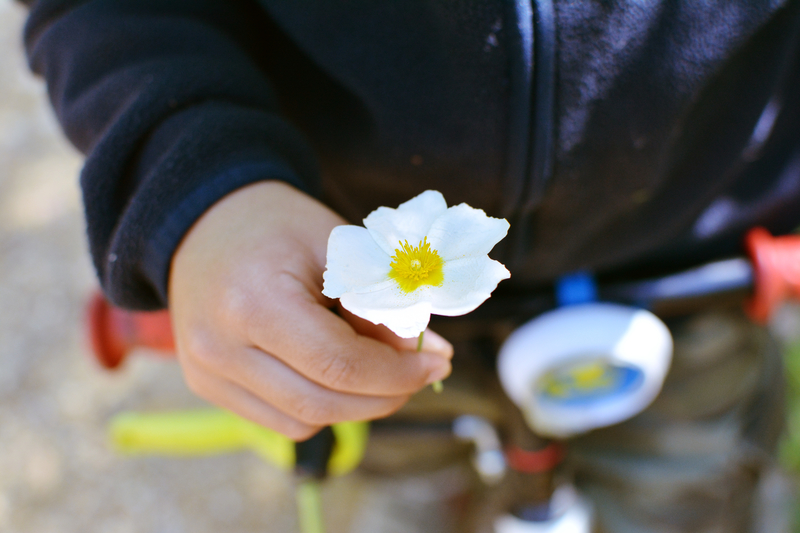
[(413, 266)]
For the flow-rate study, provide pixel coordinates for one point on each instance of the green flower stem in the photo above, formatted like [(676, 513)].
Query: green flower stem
[(309, 507), (437, 386)]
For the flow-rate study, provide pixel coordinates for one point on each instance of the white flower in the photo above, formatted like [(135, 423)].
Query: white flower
[(420, 259)]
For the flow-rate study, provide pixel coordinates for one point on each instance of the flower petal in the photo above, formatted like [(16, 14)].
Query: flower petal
[(464, 231), (410, 221), (467, 284), (355, 262), (407, 315)]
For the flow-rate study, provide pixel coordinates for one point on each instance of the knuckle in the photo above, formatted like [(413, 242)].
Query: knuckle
[(298, 431), (197, 389), (339, 372), (391, 407), (314, 412), (236, 305), (199, 347), (194, 383)]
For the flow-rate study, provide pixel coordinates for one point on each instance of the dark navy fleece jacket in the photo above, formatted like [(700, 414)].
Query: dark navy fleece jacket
[(617, 136)]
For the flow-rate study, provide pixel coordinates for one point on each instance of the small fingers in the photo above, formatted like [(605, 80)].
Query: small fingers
[(278, 385), (323, 347), (234, 398)]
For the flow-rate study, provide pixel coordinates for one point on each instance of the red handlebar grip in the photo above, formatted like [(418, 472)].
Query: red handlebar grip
[(776, 264), (114, 332)]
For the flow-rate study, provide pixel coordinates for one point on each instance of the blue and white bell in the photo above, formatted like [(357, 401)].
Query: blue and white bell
[(585, 366)]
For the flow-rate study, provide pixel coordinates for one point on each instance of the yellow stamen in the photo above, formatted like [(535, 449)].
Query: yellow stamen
[(414, 266)]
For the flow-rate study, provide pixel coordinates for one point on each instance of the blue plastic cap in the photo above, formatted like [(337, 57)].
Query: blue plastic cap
[(576, 288)]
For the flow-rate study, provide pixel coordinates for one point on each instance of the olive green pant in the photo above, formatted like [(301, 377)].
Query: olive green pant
[(692, 460), (689, 463)]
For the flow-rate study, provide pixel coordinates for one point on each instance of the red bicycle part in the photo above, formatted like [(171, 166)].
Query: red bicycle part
[(114, 332), (776, 271), (533, 462)]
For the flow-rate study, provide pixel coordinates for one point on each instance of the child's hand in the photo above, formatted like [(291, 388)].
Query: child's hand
[(256, 336)]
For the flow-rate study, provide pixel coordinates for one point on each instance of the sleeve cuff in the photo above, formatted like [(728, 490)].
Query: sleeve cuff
[(158, 250)]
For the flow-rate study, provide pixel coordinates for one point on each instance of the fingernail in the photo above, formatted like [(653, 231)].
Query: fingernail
[(439, 373), (433, 342)]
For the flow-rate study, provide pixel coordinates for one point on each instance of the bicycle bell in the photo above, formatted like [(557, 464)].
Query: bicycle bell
[(585, 366)]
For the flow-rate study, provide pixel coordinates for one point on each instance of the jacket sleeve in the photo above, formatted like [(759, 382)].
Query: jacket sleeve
[(169, 103)]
